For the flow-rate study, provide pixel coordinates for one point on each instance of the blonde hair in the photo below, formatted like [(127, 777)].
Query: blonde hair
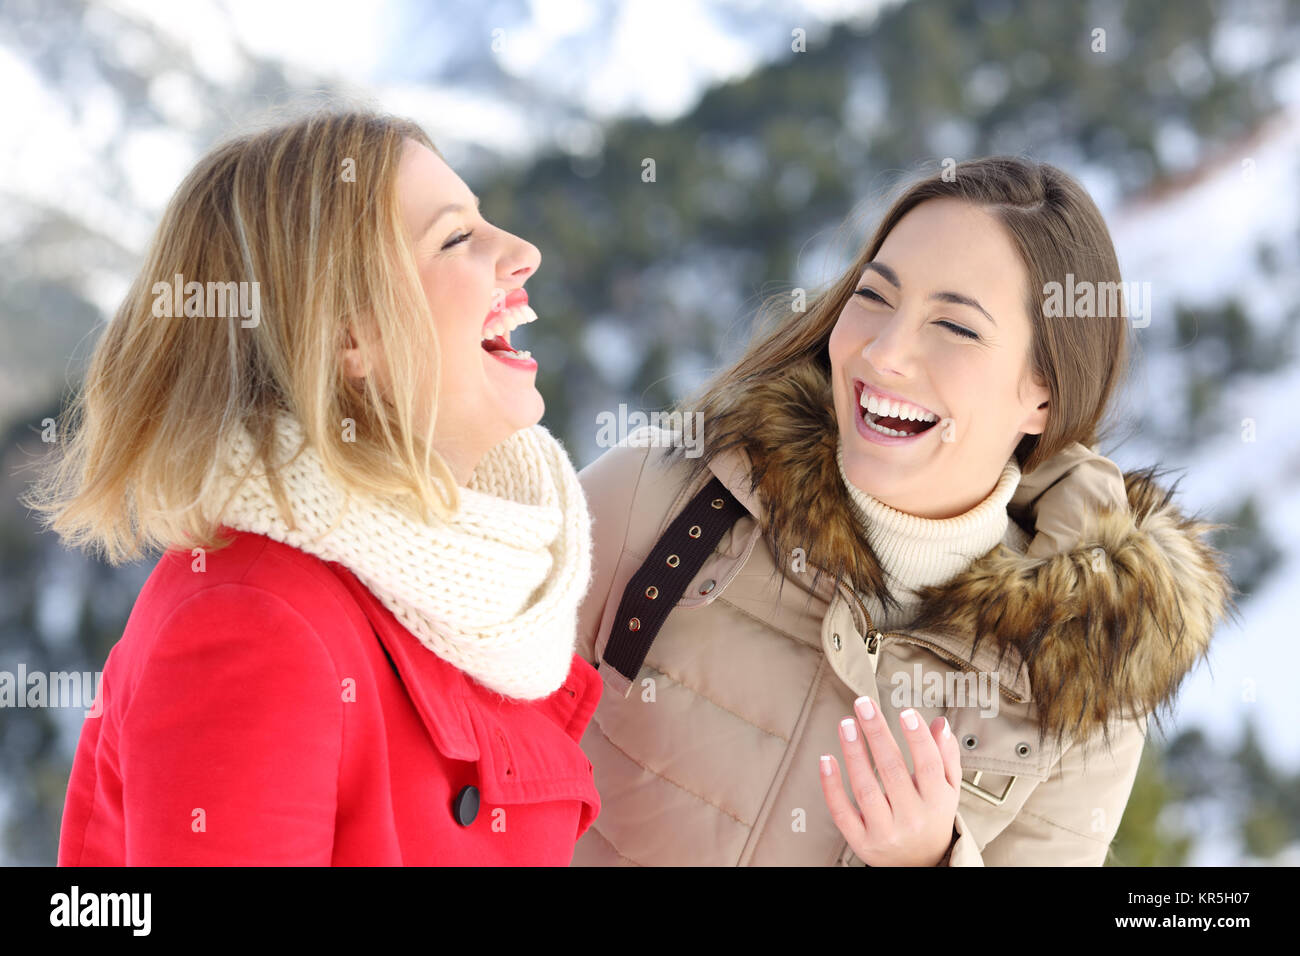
[(274, 206)]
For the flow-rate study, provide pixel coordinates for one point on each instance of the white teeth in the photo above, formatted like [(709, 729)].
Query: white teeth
[(886, 431), (892, 409), (516, 317), (509, 320), (515, 353)]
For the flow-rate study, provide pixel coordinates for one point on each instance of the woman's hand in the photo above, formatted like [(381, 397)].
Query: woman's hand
[(911, 822)]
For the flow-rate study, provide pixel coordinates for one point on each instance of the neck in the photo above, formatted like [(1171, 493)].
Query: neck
[(917, 552), (460, 458)]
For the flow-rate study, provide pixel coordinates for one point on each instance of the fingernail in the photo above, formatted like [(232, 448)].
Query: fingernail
[(867, 708), (947, 731), (849, 727), (826, 766), (910, 720)]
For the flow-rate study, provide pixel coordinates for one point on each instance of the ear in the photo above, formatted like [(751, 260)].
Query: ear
[(1036, 396), (350, 357)]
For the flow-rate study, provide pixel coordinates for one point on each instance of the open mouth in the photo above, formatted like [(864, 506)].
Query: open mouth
[(501, 344), (891, 417), (500, 322)]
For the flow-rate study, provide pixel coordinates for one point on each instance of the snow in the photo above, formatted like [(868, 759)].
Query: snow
[(1195, 248)]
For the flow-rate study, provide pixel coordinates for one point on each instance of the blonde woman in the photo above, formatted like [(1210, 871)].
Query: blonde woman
[(900, 546), (357, 647)]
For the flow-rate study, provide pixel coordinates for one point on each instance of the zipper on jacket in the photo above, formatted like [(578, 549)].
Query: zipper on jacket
[(874, 637), (964, 665)]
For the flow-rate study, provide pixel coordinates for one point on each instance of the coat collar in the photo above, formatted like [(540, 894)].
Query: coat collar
[(1112, 605)]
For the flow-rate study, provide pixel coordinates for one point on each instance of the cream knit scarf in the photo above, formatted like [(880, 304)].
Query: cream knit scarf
[(494, 590)]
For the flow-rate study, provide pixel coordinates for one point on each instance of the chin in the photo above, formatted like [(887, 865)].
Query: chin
[(865, 478), (526, 414), (879, 475)]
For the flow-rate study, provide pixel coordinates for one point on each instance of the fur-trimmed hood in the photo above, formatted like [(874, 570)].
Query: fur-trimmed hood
[(1109, 619)]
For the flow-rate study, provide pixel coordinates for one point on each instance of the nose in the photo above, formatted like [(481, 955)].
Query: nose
[(891, 351), (519, 260)]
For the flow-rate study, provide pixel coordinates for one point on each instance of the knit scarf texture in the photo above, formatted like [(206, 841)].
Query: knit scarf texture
[(494, 589)]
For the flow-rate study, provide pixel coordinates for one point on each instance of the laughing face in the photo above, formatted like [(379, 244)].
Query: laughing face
[(472, 274), (930, 361)]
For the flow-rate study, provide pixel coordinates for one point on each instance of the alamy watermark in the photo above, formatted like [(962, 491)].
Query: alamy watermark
[(666, 429), (51, 689), (936, 689), (216, 300), (75, 908), (1086, 299)]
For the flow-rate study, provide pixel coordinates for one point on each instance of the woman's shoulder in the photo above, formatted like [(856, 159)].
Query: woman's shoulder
[(636, 483), (252, 584), (647, 446)]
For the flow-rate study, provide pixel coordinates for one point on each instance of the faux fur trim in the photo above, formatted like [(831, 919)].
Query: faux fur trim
[(1107, 629)]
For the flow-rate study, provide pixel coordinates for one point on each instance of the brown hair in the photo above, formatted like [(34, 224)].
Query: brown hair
[(1057, 229), (305, 208)]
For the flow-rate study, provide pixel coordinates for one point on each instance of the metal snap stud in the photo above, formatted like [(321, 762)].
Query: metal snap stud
[(695, 531), (717, 503), (1023, 749), (634, 624), (673, 560), (708, 586), (835, 640), (652, 592), (970, 741)]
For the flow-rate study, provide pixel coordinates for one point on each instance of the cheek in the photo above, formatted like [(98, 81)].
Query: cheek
[(962, 377), (844, 340), (453, 293), (989, 390)]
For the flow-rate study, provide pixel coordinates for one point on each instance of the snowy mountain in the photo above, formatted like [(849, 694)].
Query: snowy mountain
[(1230, 234)]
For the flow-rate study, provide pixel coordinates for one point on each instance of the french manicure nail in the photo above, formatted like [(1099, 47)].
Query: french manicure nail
[(947, 731), (850, 728), (910, 720), (867, 708), (826, 766)]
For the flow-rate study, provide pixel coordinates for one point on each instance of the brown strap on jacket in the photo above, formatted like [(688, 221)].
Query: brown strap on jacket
[(660, 582)]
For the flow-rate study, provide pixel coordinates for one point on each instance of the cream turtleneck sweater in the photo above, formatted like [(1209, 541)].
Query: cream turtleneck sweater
[(918, 552)]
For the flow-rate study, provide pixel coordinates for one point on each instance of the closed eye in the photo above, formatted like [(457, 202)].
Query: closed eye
[(457, 239), (960, 330), (871, 295)]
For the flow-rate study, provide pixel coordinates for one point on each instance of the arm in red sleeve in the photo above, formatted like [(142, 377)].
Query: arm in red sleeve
[(230, 747)]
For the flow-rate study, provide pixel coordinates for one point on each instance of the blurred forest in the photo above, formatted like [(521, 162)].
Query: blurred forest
[(768, 183)]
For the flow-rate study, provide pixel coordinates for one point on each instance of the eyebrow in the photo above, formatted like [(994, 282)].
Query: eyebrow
[(450, 207), (956, 298)]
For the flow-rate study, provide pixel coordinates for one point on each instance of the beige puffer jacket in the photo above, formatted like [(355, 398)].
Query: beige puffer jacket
[(711, 756)]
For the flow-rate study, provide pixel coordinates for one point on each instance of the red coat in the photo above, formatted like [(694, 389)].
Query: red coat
[(251, 715)]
